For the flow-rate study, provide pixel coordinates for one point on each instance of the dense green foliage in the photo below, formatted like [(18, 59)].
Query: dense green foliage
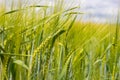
[(49, 44)]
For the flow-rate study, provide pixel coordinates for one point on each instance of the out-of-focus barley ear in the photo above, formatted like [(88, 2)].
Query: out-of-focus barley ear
[(67, 71), (47, 61), (5, 64), (115, 47)]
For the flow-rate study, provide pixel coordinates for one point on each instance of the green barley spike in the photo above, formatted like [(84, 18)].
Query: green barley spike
[(5, 62), (36, 52)]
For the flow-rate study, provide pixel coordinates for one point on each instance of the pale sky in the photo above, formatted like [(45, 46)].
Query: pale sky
[(96, 10), (101, 9)]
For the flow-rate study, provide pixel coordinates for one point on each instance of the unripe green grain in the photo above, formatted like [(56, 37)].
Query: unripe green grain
[(37, 52), (5, 64)]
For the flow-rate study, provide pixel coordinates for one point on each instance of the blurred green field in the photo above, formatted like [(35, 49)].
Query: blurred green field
[(51, 44)]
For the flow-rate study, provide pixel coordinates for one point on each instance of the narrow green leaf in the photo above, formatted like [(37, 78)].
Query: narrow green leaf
[(12, 54), (9, 12)]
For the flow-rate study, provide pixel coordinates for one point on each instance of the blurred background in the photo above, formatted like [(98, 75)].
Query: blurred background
[(94, 10)]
